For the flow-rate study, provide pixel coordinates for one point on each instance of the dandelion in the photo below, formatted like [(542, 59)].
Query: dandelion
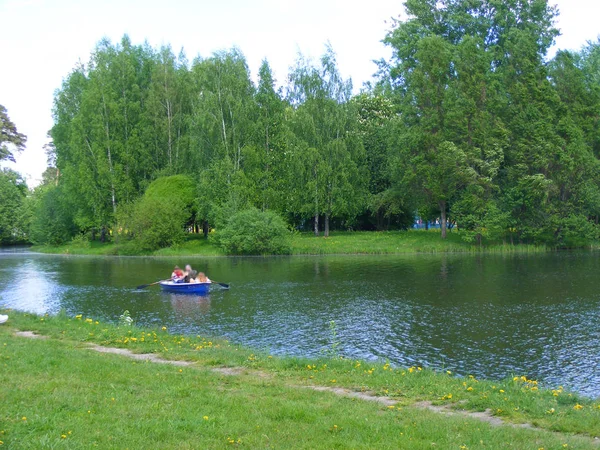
[(577, 407), (78, 316), (164, 328), (333, 381), (63, 436), (448, 372), (205, 417), (23, 418), (89, 320), (470, 388), (391, 407), (550, 411), (501, 391)]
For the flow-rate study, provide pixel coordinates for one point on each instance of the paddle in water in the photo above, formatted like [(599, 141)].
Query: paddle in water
[(225, 285), (142, 286)]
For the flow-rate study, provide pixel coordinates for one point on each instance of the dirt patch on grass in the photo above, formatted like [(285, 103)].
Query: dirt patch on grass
[(231, 371), (484, 416), (150, 357), (366, 396), (30, 335)]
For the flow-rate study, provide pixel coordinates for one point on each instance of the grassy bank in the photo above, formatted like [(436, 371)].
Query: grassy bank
[(57, 393), (361, 242)]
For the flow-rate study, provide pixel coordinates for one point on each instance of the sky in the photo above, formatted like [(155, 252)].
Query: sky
[(42, 41)]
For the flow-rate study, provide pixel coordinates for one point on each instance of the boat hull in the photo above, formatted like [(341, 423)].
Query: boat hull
[(185, 288)]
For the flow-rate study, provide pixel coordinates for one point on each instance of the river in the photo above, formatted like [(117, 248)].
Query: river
[(491, 316)]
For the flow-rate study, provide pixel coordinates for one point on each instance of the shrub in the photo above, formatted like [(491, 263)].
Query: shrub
[(157, 223), (254, 232)]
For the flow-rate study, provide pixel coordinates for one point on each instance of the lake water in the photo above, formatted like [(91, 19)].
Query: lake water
[(486, 315)]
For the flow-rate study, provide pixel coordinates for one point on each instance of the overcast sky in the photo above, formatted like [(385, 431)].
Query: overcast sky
[(42, 40)]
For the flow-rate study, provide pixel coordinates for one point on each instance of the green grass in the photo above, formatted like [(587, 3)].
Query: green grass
[(339, 242), (56, 393), (395, 242)]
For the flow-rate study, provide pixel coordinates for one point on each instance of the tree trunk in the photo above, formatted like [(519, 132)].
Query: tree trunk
[(316, 225), (205, 228), (326, 234), (443, 218)]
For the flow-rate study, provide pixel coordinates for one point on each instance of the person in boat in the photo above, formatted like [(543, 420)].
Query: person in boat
[(189, 274), (201, 278), (177, 276)]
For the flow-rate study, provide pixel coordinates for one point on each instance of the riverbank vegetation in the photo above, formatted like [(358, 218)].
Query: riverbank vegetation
[(58, 392), (468, 123), (338, 243)]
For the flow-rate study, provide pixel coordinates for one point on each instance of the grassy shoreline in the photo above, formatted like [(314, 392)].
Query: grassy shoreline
[(339, 243), (59, 394)]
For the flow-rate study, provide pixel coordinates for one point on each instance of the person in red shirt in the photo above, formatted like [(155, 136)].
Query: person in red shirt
[(177, 276)]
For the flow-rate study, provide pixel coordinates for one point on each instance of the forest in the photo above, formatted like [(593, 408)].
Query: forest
[(468, 123)]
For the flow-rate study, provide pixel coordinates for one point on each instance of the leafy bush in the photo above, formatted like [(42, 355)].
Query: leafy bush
[(159, 217), (157, 223), (80, 241), (254, 232)]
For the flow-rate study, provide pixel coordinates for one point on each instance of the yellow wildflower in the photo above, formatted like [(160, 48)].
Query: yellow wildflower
[(164, 328), (577, 407), (470, 388), (205, 417)]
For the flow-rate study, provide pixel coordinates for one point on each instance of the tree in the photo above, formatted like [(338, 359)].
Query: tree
[(9, 137), (327, 151), (13, 215)]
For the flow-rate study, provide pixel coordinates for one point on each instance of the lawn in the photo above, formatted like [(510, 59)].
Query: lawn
[(58, 393)]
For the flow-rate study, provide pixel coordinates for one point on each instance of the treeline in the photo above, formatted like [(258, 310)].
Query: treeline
[(467, 122)]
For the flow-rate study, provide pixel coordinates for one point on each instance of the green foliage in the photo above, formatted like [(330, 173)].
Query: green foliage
[(10, 138), (14, 208), (468, 124), (53, 221), (254, 232), (177, 187), (158, 219), (157, 223)]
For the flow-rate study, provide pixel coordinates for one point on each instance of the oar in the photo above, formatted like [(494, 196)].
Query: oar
[(151, 284), (225, 285)]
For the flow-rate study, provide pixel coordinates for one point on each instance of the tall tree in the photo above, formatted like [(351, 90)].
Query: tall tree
[(329, 149), (9, 137)]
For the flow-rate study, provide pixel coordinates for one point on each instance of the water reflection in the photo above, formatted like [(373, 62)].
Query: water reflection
[(490, 316), (186, 304)]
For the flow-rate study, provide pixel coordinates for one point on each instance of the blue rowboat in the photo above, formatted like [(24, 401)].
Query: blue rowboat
[(185, 288)]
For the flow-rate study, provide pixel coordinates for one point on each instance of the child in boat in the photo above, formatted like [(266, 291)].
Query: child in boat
[(201, 278), (177, 276)]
